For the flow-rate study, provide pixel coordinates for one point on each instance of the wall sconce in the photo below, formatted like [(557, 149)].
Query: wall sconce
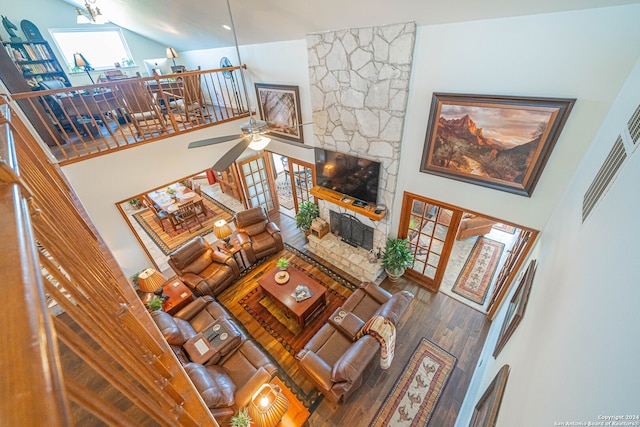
[(80, 61), (151, 281), (222, 231), (267, 406)]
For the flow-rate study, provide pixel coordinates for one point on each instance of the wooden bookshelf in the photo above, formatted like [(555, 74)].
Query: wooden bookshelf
[(347, 202), (36, 61)]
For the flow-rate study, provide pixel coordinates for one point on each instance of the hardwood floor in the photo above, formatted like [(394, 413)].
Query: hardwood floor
[(448, 323)]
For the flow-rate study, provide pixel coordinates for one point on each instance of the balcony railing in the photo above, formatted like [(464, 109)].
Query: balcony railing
[(86, 121)]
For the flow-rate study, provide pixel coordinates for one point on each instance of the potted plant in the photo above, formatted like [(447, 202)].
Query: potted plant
[(282, 263), (242, 419), (134, 279), (135, 203), (396, 258), (307, 212), (155, 303)]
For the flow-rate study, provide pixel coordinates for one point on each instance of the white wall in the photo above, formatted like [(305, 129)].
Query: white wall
[(584, 55), (575, 354)]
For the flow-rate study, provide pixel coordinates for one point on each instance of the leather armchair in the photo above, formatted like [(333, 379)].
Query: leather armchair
[(258, 236), (203, 269)]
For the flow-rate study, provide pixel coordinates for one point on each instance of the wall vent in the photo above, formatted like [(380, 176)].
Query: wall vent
[(603, 178), (634, 126)]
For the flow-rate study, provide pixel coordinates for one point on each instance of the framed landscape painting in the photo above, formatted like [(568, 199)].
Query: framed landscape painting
[(495, 141), (280, 107)]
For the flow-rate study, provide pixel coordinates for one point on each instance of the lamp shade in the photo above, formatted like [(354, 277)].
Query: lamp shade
[(80, 61), (221, 229), (171, 53), (151, 281), (267, 406)]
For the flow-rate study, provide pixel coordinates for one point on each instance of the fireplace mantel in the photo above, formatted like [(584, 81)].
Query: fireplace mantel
[(341, 200)]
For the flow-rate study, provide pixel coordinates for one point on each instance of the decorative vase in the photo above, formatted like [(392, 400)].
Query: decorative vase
[(394, 275)]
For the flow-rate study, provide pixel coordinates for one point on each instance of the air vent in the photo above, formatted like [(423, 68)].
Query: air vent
[(634, 126), (605, 175)]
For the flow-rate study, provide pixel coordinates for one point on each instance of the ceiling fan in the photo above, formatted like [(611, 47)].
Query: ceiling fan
[(252, 135)]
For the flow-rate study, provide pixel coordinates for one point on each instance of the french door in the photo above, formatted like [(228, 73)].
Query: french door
[(303, 178), (258, 182), (430, 228)]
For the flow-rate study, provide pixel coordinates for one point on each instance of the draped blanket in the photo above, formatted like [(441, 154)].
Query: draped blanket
[(385, 332)]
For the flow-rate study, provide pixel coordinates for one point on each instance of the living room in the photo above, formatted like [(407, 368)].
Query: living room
[(569, 41)]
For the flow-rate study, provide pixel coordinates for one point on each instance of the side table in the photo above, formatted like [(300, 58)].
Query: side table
[(235, 250), (297, 414), (180, 296)]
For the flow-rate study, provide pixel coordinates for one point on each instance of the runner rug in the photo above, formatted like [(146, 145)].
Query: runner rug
[(170, 239), (415, 395), (477, 273), (269, 327)]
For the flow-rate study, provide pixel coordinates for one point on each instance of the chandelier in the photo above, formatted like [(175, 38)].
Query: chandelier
[(91, 14)]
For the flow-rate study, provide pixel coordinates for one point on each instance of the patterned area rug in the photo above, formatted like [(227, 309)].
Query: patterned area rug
[(285, 196), (504, 227), (475, 277), (415, 395), (268, 325), (172, 239)]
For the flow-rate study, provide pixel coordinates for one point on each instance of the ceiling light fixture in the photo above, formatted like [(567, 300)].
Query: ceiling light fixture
[(91, 14)]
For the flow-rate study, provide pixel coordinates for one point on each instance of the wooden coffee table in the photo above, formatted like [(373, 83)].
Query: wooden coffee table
[(281, 294)]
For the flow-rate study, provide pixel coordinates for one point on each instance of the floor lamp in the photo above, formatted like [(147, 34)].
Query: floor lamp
[(79, 61)]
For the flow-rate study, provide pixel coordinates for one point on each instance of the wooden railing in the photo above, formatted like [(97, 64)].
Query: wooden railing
[(87, 121), (53, 257)]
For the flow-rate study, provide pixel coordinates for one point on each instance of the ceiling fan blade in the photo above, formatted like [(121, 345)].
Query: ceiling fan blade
[(230, 156), (212, 141), (286, 141)]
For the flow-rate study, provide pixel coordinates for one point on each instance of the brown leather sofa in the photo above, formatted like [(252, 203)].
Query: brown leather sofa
[(258, 236), (204, 270), (335, 360), (229, 379)]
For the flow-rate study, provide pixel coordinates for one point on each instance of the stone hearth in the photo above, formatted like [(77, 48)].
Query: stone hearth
[(352, 260)]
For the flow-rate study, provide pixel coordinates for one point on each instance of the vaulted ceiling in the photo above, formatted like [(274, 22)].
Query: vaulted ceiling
[(197, 24)]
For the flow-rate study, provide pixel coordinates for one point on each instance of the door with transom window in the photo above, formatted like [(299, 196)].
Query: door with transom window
[(258, 182), (430, 228)]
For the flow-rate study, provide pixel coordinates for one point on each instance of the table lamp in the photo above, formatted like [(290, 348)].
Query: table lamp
[(80, 61), (172, 54), (222, 231), (267, 406), (150, 281)]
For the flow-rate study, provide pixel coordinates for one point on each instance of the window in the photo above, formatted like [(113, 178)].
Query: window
[(102, 48)]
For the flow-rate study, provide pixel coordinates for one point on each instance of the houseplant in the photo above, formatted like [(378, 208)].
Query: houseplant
[(282, 263), (155, 303), (242, 419), (396, 258), (307, 212), (135, 203)]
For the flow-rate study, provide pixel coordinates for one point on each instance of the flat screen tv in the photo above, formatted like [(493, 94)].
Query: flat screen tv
[(350, 175)]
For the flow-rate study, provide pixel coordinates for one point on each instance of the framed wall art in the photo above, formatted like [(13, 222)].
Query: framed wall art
[(498, 142), (485, 414), (280, 107), (516, 308)]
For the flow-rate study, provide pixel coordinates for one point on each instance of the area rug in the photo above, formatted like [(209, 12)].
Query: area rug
[(171, 239), (283, 188), (477, 273), (414, 396), (267, 329), (504, 227)]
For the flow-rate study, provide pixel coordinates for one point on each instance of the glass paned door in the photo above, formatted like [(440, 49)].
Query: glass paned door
[(303, 179), (430, 229), (258, 182)]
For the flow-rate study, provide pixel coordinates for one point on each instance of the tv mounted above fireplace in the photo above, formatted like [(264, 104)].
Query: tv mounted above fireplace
[(350, 175)]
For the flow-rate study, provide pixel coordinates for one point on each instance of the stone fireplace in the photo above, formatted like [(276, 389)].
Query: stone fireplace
[(351, 230), (359, 80)]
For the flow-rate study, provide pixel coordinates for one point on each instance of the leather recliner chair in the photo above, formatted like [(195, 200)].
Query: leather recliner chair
[(203, 269), (258, 236)]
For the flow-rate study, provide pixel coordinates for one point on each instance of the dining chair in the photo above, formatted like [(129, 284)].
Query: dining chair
[(160, 215), (186, 214), (145, 113)]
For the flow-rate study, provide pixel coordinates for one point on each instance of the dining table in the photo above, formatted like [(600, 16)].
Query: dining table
[(170, 198)]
